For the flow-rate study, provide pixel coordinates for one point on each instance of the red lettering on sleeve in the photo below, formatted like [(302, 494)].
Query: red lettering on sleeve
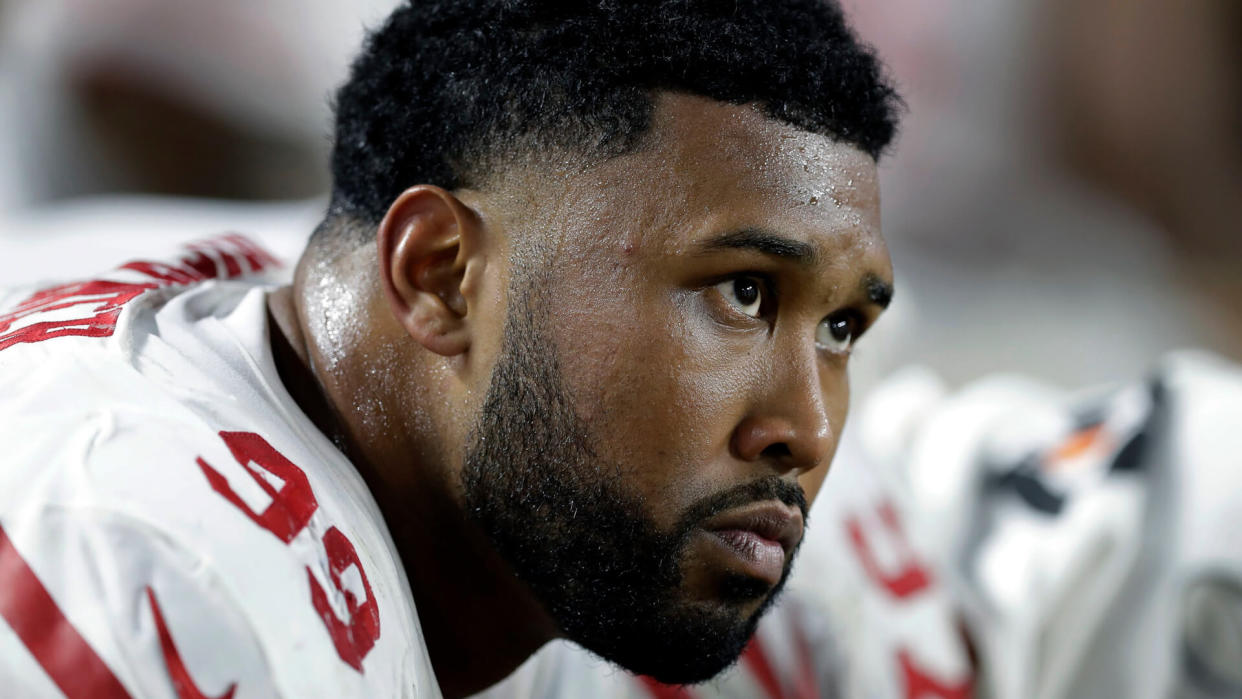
[(355, 638), (56, 645), (910, 577), (258, 258), (165, 273), (221, 257), (232, 265), (292, 504), (82, 309), (92, 308), (920, 684)]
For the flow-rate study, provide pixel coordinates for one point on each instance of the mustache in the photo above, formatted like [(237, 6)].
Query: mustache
[(762, 489)]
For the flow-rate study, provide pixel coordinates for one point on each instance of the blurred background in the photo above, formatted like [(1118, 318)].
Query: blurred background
[(1064, 201), (127, 122), (1065, 198)]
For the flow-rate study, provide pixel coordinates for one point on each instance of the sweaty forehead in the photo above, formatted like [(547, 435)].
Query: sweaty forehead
[(705, 167), (703, 145)]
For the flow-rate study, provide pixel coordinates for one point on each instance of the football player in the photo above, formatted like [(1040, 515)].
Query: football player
[(566, 358)]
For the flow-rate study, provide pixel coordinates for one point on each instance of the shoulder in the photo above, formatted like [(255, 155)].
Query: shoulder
[(151, 464)]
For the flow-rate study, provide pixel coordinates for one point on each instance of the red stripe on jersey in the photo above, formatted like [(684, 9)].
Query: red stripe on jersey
[(186, 689), (920, 685), (911, 578), (58, 647), (659, 690), (806, 685), (757, 662)]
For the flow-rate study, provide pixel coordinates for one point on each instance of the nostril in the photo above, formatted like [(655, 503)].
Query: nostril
[(779, 450)]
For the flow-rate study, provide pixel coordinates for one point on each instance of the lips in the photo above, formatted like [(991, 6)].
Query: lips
[(759, 538)]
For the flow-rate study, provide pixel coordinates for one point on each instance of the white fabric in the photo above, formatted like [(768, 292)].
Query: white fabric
[(106, 492), (1093, 539)]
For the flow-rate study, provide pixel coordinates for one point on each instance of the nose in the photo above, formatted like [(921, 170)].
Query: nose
[(791, 426)]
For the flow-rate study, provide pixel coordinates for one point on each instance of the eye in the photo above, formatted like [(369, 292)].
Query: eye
[(743, 293), (837, 332)]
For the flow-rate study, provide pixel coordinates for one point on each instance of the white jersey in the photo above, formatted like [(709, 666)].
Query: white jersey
[(171, 524)]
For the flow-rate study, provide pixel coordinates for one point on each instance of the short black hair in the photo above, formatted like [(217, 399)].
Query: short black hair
[(448, 90)]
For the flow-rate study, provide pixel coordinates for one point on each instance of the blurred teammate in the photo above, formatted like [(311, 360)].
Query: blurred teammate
[(566, 358), (1090, 538)]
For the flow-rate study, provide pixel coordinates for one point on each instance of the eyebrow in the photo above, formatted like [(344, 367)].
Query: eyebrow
[(877, 290), (765, 242)]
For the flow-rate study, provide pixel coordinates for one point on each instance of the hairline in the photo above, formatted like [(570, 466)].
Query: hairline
[(526, 152)]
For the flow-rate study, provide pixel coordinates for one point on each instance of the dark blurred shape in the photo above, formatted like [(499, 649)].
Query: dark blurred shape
[(1147, 98), (159, 143), (1065, 195), (228, 98), (1147, 104), (1211, 637)]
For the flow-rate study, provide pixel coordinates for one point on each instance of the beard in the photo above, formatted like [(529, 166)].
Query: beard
[(583, 542)]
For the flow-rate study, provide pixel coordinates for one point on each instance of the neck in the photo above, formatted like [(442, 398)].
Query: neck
[(478, 620)]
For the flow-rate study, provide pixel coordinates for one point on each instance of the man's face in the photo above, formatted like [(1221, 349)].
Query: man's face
[(671, 383)]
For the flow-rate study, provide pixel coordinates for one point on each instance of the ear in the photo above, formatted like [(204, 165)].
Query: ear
[(429, 249)]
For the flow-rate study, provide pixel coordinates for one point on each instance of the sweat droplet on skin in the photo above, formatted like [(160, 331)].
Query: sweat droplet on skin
[(334, 307)]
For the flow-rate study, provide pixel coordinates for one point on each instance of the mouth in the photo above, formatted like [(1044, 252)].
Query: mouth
[(756, 540)]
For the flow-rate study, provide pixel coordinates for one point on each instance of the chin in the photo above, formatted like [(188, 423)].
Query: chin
[(690, 641), (698, 651)]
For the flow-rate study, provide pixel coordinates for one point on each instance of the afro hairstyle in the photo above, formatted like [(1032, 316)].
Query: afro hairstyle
[(445, 92)]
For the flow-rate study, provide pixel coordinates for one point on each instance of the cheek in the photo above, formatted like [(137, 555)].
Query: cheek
[(811, 482), (837, 394), (658, 397)]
